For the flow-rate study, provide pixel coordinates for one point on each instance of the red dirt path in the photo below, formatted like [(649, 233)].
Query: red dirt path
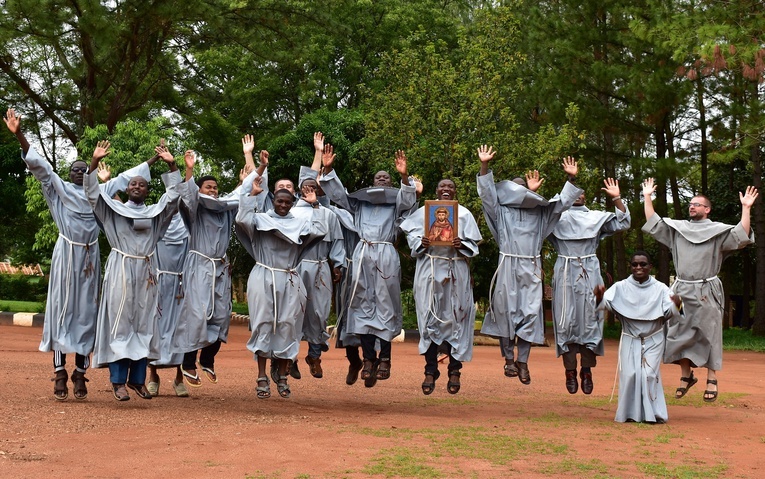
[(328, 429)]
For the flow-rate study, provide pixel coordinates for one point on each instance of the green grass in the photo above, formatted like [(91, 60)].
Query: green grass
[(22, 306), (693, 471), (581, 468), (742, 340), (400, 462)]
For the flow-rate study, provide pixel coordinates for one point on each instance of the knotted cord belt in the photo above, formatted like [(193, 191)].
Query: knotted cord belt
[(432, 295), (214, 279), (273, 284), (562, 320), (643, 361), (502, 257), (124, 282), (357, 271), (69, 267)]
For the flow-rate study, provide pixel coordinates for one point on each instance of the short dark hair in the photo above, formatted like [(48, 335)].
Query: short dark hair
[(706, 198), (284, 190), (201, 181), (641, 253)]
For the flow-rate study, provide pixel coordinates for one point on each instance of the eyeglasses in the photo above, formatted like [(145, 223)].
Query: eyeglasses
[(642, 264), (698, 205), (79, 169)]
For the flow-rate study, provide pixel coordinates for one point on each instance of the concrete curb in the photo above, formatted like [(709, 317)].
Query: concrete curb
[(22, 319)]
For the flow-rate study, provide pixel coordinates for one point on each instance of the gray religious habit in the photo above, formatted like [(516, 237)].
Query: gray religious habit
[(275, 293), (205, 310), (75, 269), (375, 299), (642, 308), (443, 293), (698, 250), (576, 321), (520, 220), (127, 322)]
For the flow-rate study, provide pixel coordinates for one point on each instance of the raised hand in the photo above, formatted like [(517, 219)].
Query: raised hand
[(570, 166), (533, 180), (318, 141), (612, 187), (12, 121), (486, 153), (328, 157), (104, 172), (649, 188), (190, 159), (309, 194), (248, 144), (417, 185), (747, 200), (256, 186), (165, 154), (102, 150), (263, 158), (401, 163)]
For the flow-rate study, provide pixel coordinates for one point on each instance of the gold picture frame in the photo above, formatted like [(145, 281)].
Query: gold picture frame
[(441, 221)]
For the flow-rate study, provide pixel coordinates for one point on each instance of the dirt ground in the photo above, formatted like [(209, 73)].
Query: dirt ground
[(493, 428)]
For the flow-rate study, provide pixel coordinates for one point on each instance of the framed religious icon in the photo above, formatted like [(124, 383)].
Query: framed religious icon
[(441, 221)]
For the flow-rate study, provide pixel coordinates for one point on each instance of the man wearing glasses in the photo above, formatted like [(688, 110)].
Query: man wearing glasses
[(698, 247)]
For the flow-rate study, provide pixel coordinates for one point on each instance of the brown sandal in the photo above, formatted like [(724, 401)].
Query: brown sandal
[(682, 391), (383, 370), (712, 394), (60, 391), (80, 389)]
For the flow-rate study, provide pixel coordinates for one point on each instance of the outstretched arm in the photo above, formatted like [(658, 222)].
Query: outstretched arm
[(167, 157), (104, 172), (485, 155), (648, 189), (13, 123), (747, 200), (101, 151), (248, 146), (612, 190), (533, 180), (318, 150), (190, 159), (263, 162)]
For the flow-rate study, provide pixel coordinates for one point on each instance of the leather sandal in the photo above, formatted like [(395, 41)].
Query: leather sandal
[(283, 387), (80, 389), (263, 392), (141, 390), (712, 394), (120, 392), (371, 379), (429, 386), (523, 372), (510, 370), (453, 386), (60, 391), (383, 369), (682, 391)]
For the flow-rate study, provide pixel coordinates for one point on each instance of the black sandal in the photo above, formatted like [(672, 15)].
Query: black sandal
[(383, 369), (80, 389), (682, 391), (429, 386), (511, 370), (712, 394), (453, 387), (60, 391)]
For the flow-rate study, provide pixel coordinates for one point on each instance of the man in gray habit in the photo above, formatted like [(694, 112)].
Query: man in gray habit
[(374, 310), (127, 334), (75, 269), (698, 248), (520, 220), (578, 326)]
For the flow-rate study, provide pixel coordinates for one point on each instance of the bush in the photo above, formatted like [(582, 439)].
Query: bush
[(23, 288)]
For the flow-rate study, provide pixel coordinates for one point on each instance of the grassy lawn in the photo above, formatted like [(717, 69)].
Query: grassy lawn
[(22, 306)]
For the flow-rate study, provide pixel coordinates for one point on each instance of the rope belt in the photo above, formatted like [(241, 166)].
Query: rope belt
[(179, 275), (357, 271), (214, 277), (432, 295), (502, 257), (69, 267), (568, 259), (124, 282), (695, 281), (273, 284), (643, 361)]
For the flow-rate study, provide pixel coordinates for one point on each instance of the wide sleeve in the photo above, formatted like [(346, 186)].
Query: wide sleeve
[(175, 187), (245, 222), (337, 250), (335, 190), (620, 222), (120, 183), (487, 191), (406, 200), (93, 194), (657, 228), (39, 167), (555, 209), (469, 234), (189, 201), (737, 238)]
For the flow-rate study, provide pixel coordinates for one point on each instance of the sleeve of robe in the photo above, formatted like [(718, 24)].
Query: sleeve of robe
[(489, 202), (406, 201), (245, 221), (555, 209), (657, 228), (335, 190), (93, 193), (189, 202), (337, 250), (620, 222), (175, 187), (737, 238)]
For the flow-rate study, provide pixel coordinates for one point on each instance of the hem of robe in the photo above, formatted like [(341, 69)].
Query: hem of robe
[(597, 349), (66, 349)]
